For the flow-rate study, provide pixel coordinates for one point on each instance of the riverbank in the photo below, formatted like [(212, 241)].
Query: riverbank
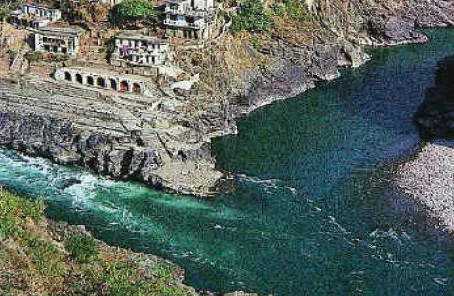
[(35, 249), (428, 181), (38, 255)]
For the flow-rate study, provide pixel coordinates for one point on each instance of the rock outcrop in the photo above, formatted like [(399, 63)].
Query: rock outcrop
[(435, 117), (125, 138), (64, 143), (255, 69)]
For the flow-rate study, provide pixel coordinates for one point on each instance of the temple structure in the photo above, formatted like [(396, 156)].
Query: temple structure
[(35, 16), (103, 79), (135, 49), (189, 18), (58, 40)]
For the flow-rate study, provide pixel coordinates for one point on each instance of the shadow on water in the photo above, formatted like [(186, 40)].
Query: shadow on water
[(309, 211), (434, 116)]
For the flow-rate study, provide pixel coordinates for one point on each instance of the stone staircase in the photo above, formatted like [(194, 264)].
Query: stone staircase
[(19, 63)]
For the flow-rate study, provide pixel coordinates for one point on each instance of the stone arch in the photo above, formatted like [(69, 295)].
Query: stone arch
[(124, 86), (68, 76), (136, 88), (90, 80), (79, 78), (101, 82), (113, 84)]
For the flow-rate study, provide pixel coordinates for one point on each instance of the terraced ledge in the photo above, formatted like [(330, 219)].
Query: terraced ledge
[(126, 138)]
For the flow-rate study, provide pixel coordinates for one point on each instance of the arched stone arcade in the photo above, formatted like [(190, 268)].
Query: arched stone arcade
[(90, 80), (124, 86), (101, 82), (113, 84), (124, 83), (136, 88), (79, 78)]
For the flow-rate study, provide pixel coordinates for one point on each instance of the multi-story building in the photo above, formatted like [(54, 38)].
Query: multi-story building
[(58, 40), (35, 16), (110, 2), (135, 49), (189, 18)]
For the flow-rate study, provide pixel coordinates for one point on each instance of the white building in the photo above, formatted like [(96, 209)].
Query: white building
[(58, 40), (189, 18), (35, 15), (111, 2), (104, 79), (135, 49)]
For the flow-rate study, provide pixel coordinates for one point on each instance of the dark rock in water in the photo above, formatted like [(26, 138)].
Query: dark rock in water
[(70, 182), (393, 30), (435, 116)]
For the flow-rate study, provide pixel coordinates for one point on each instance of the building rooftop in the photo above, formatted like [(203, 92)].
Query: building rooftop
[(174, 1), (137, 35), (60, 30), (40, 5)]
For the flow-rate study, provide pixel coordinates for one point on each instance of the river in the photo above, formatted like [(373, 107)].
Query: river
[(310, 210)]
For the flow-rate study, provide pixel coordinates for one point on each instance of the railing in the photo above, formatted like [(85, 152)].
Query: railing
[(200, 13), (184, 24), (143, 50)]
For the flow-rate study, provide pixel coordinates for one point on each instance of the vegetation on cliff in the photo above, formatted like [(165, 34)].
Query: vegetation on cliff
[(252, 17), (6, 6), (132, 12), (38, 256)]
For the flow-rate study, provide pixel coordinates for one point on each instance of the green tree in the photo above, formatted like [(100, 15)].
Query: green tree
[(6, 6), (132, 12), (252, 17)]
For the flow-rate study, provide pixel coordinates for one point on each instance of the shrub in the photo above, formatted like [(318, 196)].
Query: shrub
[(34, 56), (257, 43), (6, 6), (45, 255), (251, 17), (292, 9), (12, 206), (57, 57), (132, 12), (83, 248), (109, 48)]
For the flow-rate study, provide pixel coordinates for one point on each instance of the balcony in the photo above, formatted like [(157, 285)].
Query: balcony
[(180, 11), (184, 24)]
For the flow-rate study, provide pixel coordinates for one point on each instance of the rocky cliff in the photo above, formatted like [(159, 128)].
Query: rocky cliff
[(435, 117), (308, 44), (64, 143), (164, 139), (124, 138)]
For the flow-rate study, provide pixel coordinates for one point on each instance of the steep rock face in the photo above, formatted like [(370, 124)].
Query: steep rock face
[(63, 143), (383, 21), (253, 69), (344, 26), (435, 117)]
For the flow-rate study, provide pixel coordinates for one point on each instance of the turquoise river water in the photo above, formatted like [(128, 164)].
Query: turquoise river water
[(310, 210)]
